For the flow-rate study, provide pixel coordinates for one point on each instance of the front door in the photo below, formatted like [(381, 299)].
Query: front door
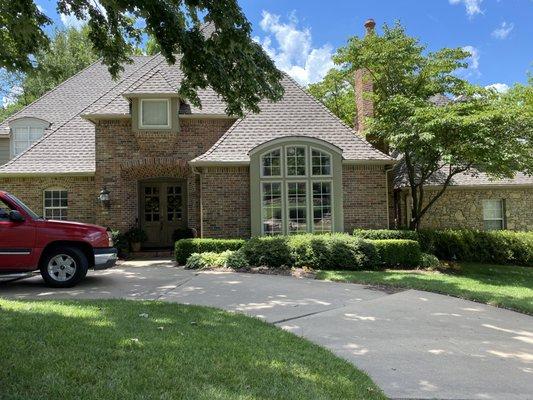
[(163, 209)]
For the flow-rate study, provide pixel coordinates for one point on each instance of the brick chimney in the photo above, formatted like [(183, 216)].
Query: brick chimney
[(363, 84)]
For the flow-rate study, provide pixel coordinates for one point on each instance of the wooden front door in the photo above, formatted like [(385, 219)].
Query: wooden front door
[(162, 209)]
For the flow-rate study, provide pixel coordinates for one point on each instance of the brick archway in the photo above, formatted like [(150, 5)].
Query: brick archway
[(152, 167)]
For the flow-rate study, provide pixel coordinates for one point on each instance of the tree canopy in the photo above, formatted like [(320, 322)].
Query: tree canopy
[(477, 130), (228, 60)]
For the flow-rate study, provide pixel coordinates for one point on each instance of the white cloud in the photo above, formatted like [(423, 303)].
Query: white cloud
[(293, 51), (473, 60), (11, 96), (472, 7), (71, 21), (503, 30), (499, 87)]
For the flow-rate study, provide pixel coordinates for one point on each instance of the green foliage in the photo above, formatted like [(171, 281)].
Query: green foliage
[(268, 251), (500, 247), (236, 260), (227, 259), (336, 92), (185, 247), (379, 234), (438, 142), (402, 253), (136, 235), (428, 261), (228, 60), (120, 242)]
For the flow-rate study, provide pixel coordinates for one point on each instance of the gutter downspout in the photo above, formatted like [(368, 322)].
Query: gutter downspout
[(196, 171)]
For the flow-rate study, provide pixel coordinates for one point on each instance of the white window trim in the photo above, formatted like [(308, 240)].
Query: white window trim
[(286, 206), (286, 164), (282, 206), (29, 142), (312, 215), (169, 118), (54, 189), (281, 158), (502, 208), (311, 148)]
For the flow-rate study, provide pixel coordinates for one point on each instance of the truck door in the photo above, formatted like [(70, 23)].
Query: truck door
[(17, 240)]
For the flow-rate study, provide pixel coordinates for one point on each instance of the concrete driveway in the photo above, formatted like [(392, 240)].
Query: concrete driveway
[(414, 345)]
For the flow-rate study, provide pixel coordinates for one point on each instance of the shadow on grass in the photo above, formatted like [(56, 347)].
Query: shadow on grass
[(503, 286), (132, 350)]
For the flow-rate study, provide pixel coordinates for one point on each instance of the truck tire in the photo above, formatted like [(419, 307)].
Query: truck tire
[(64, 266)]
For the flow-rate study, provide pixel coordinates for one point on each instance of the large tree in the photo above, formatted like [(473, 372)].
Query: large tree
[(69, 52), (228, 60), (480, 130)]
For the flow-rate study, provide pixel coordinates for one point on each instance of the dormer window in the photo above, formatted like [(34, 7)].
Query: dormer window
[(154, 114), (25, 132)]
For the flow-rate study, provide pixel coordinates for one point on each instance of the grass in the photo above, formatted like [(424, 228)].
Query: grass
[(499, 285), (118, 349)]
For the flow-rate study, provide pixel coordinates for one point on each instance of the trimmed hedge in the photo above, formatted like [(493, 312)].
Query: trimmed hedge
[(393, 253), (498, 247), (185, 247), (382, 234)]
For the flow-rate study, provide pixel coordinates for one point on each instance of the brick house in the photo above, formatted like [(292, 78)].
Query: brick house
[(166, 164)]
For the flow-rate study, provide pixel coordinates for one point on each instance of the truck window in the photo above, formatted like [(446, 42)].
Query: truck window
[(4, 211)]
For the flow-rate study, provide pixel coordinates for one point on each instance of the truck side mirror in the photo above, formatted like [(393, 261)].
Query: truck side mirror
[(15, 216)]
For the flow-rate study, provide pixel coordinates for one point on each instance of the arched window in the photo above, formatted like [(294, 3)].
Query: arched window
[(55, 203), (25, 132), (297, 188)]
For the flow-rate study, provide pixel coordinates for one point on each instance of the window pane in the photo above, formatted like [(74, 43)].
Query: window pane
[(321, 163), (322, 211), (271, 204), (24, 137), (492, 209), (493, 225), (271, 163), (296, 161), (297, 207), (56, 204), (154, 112)]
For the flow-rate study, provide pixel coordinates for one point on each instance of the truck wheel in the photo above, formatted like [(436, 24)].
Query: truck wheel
[(64, 266)]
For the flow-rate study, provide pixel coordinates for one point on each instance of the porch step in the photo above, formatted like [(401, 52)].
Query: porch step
[(151, 254)]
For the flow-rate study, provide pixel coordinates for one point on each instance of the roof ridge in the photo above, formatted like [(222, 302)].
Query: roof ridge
[(44, 137), (356, 135), (50, 91)]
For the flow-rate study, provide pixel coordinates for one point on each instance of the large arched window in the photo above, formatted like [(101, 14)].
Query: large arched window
[(298, 188)]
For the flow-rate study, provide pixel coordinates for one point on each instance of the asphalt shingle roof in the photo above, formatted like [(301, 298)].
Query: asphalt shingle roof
[(297, 114)]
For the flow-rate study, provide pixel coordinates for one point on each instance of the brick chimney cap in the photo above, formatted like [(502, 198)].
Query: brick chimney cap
[(370, 24)]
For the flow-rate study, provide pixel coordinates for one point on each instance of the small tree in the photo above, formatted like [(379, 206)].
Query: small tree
[(484, 131), (228, 61)]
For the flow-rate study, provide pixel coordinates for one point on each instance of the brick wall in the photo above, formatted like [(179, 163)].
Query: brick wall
[(124, 157), (463, 208), (365, 197), (81, 194), (226, 202)]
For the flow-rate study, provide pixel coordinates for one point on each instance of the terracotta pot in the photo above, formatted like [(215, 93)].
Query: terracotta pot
[(135, 247)]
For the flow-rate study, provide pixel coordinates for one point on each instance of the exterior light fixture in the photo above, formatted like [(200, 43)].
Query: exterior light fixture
[(104, 197)]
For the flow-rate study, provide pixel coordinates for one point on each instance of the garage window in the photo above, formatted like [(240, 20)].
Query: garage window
[(56, 204)]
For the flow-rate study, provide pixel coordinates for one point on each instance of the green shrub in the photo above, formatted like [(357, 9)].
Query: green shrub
[(397, 253), (236, 260), (499, 247), (185, 247), (382, 234), (428, 261), (120, 242), (202, 260), (268, 251)]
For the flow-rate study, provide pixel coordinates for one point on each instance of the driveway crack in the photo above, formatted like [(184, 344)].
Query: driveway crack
[(307, 315)]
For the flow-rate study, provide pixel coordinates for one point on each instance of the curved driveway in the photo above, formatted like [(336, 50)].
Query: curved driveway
[(414, 345)]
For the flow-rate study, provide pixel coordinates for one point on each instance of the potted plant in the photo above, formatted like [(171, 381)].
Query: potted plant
[(136, 236)]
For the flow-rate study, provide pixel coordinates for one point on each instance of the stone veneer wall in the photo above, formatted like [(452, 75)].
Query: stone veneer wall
[(463, 208), (124, 157), (365, 197), (226, 202), (81, 194)]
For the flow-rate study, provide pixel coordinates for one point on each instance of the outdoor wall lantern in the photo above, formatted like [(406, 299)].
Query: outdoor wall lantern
[(104, 197)]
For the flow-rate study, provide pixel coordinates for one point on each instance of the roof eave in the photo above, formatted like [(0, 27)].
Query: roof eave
[(44, 174), (97, 117), (480, 186)]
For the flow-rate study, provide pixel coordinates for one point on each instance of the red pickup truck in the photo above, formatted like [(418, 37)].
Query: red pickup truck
[(62, 251)]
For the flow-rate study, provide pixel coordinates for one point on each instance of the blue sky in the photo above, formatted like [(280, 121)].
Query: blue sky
[(301, 35)]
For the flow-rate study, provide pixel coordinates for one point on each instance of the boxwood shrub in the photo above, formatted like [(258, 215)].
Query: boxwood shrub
[(382, 234), (185, 247), (499, 247), (401, 253)]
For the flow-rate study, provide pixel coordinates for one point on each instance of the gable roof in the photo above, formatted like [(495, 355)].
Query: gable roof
[(297, 114)]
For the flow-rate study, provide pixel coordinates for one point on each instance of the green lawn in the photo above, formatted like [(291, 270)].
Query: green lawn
[(106, 350), (499, 285)]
